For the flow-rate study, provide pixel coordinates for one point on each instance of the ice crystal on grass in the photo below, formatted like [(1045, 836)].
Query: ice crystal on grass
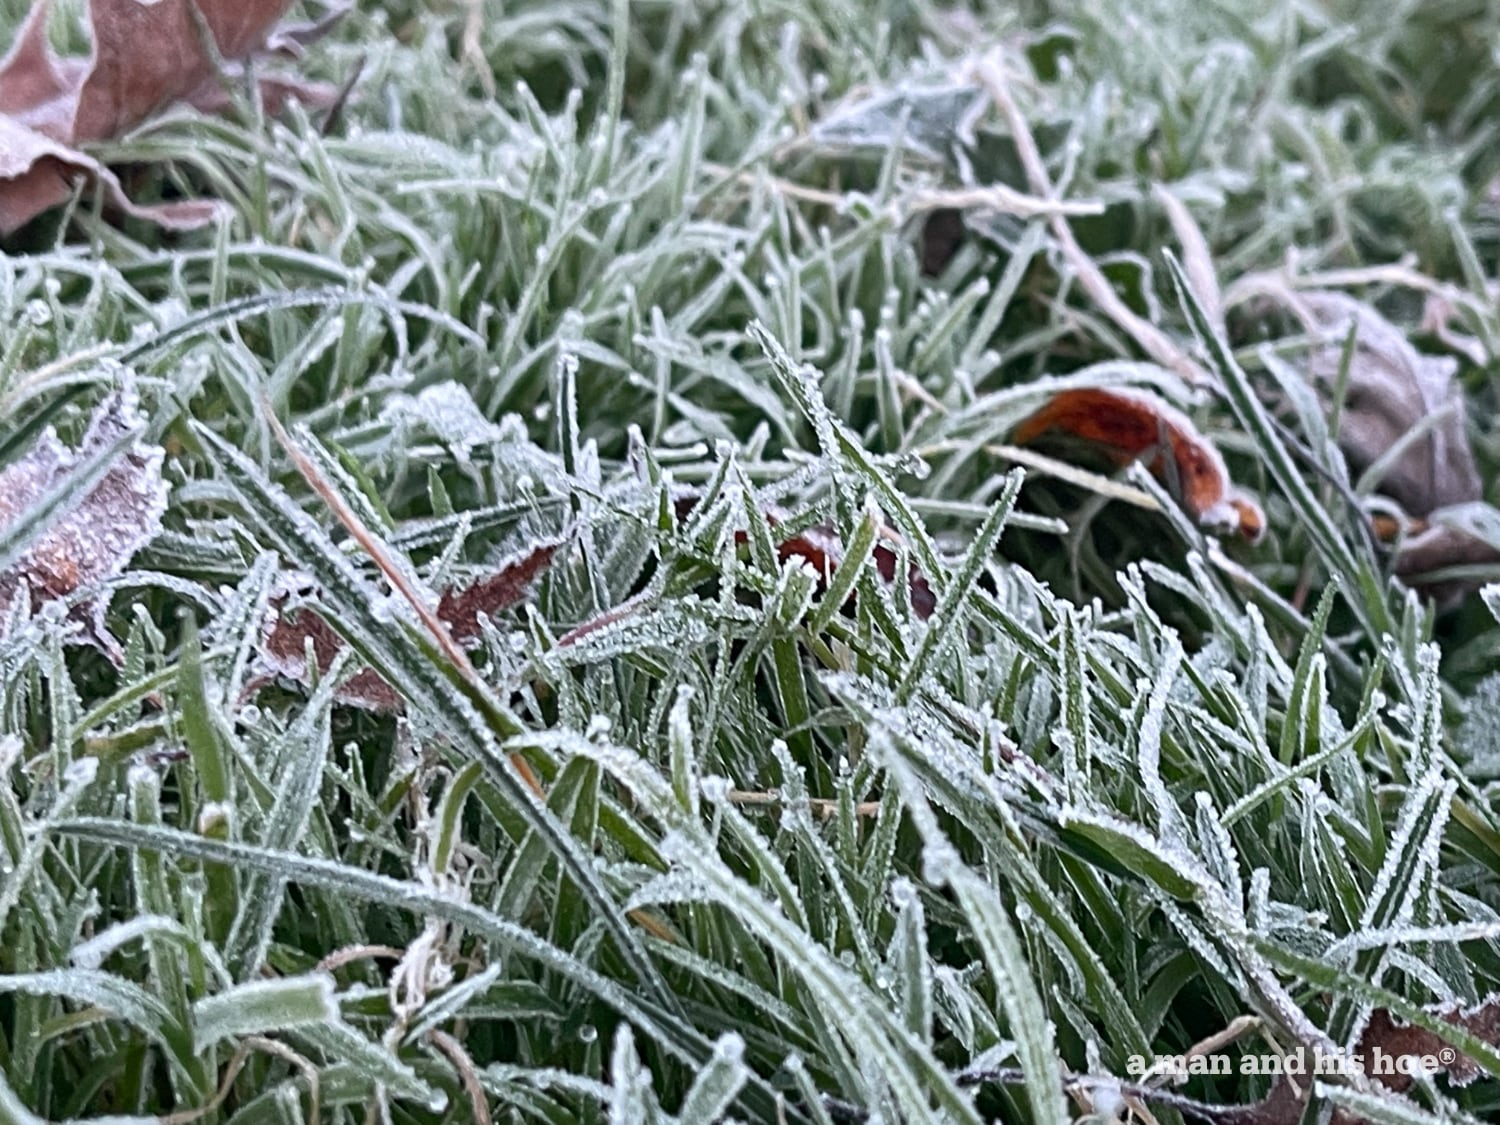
[(106, 500)]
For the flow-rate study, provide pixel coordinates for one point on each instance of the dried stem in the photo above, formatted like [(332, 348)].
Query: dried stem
[(1152, 340)]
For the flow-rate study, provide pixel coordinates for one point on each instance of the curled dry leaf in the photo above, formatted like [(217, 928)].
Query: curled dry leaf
[(1128, 425), (97, 537), (1392, 390), (145, 57), (1398, 399), (289, 630)]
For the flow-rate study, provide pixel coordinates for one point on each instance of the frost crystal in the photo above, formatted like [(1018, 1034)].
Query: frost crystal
[(96, 538), (448, 412)]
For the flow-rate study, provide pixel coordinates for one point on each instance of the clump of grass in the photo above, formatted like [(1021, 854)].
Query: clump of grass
[(794, 851)]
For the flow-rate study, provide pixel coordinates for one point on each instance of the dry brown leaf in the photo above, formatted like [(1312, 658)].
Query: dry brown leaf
[(1386, 1054), (1130, 424), (288, 631), (820, 548), (97, 538), (1396, 396), (1392, 389), (145, 57), (462, 608)]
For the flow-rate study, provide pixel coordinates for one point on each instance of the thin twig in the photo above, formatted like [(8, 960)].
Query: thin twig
[(468, 1074), (1153, 341), (823, 806)]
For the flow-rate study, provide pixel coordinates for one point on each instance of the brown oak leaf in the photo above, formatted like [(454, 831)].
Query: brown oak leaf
[(145, 57)]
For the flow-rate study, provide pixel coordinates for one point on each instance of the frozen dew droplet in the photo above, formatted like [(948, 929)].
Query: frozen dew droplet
[(600, 726), (588, 1033), (214, 815), (715, 790)]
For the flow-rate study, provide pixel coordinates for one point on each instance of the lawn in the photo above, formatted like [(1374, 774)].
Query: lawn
[(605, 561)]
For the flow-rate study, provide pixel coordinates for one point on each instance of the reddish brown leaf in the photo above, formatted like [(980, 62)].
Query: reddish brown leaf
[(145, 57), (820, 548), (37, 89), (1386, 1054), (284, 645), (97, 538), (37, 174), (1130, 424), (462, 608), (287, 632)]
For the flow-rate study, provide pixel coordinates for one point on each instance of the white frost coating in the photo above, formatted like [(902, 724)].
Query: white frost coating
[(1107, 1098), (1148, 743), (1433, 786), (730, 1047), (903, 893), (447, 411), (10, 752), (215, 814), (80, 772), (939, 861), (95, 539), (673, 887), (91, 954), (715, 790)]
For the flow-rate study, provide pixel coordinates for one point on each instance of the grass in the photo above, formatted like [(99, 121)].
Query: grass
[(1127, 785)]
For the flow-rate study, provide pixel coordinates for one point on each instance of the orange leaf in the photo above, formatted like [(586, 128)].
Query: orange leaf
[(1132, 425)]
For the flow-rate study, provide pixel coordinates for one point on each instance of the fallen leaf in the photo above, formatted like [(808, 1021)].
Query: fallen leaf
[(96, 538), (288, 630), (1392, 389), (1385, 1055), (286, 637), (819, 546), (463, 608), (145, 57), (1131, 425), (1397, 398)]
